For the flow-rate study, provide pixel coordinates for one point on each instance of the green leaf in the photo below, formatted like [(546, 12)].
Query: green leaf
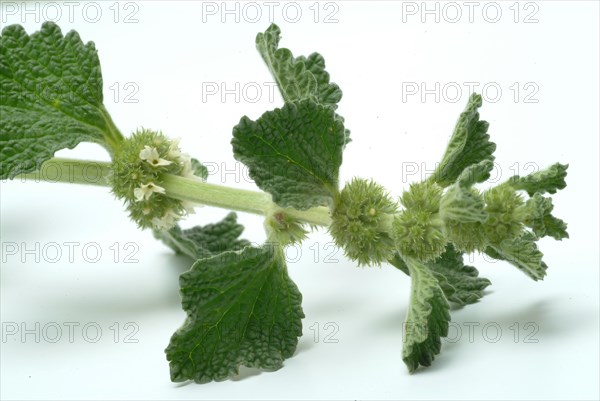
[(540, 218), (468, 145), (199, 169), (464, 205), (475, 173), (521, 252), (205, 241), (427, 320), (548, 180), (242, 309), (294, 153), (399, 264), (461, 283), (327, 93), (50, 97), (298, 78)]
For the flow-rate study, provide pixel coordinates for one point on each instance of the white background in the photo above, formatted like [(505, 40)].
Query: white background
[(548, 344)]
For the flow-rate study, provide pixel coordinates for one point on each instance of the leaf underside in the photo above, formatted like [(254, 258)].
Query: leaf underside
[(427, 320), (521, 252), (461, 283), (548, 180), (469, 144), (205, 241), (541, 220), (297, 78)]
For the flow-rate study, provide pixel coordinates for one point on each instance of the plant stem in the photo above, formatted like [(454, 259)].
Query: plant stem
[(196, 191), (189, 189), (72, 171)]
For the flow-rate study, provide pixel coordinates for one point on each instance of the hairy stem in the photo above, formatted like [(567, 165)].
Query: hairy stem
[(188, 189), (72, 171), (197, 191)]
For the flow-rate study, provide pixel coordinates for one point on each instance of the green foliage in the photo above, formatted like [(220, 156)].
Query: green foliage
[(461, 283), (50, 97), (427, 320), (475, 173), (297, 78), (521, 252), (462, 203), (549, 180), (294, 153), (538, 216), (468, 145), (205, 241), (242, 307)]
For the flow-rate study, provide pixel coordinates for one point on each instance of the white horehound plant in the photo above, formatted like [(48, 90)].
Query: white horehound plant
[(242, 307)]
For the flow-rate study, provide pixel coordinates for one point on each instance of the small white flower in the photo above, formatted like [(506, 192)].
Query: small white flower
[(150, 154), (188, 169), (174, 149), (146, 190), (167, 221)]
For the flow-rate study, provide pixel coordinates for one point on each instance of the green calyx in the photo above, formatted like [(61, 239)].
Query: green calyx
[(283, 228), (463, 213), (138, 172), (466, 237), (418, 230), (505, 215), (496, 215), (361, 222)]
